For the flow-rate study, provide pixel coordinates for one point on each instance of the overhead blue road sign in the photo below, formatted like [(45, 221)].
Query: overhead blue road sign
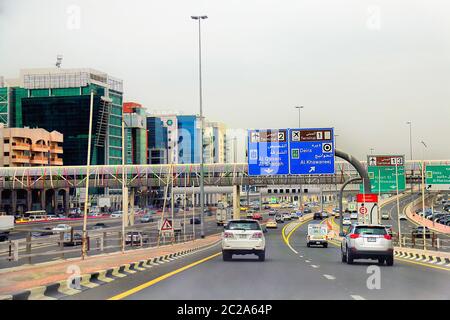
[(268, 152), (311, 151)]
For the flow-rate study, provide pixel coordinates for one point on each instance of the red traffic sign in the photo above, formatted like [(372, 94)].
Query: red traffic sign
[(370, 197), (384, 161), (363, 210), (167, 225)]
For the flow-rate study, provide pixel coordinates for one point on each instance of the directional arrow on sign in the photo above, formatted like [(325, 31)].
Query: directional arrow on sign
[(313, 169), (269, 171)]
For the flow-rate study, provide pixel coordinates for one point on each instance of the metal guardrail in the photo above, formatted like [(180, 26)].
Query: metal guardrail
[(98, 242)]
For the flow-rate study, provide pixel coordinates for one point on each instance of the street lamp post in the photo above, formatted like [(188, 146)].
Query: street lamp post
[(202, 174), (411, 155), (300, 204)]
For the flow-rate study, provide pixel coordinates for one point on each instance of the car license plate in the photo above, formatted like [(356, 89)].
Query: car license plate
[(242, 236), (372, 239)]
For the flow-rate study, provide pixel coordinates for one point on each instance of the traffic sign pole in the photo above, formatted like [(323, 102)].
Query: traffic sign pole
[(398, 208)]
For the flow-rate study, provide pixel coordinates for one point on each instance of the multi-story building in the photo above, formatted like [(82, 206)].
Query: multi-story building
[(59, 99), (25, 147), (135, 122), (215, 143), (157, 144), (188, 139)]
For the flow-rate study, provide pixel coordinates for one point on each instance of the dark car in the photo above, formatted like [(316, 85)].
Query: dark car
[(318, 215), (41, 232), (418, 232), (195, 221), (279, 218), (76, 240), (307, 210), (99, 225)]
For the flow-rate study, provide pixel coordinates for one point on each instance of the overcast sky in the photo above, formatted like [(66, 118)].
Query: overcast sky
[(363, 67)]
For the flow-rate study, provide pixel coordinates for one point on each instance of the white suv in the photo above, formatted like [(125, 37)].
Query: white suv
[(243, 237), (365, 241)]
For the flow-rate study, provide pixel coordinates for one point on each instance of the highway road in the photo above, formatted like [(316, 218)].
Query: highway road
[(307, 273), (408, 226)]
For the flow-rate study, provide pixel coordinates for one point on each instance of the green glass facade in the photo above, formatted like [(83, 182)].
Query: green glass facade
[(67, 110)]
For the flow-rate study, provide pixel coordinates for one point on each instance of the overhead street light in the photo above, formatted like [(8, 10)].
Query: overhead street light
[(202, 174)]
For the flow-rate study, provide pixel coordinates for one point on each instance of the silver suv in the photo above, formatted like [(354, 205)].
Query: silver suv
[(368, 242)]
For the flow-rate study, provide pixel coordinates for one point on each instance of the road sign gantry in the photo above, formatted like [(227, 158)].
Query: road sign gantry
[(291, 151)]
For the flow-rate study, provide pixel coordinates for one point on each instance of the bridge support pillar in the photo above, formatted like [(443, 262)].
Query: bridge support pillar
[(29, 199), (236, 202), (14, 201)]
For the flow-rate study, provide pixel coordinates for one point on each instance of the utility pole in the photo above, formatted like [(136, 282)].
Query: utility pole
[(202, 173), (300, 201), (88, 167)]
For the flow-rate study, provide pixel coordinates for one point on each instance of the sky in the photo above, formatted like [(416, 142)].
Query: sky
[(362, 67)]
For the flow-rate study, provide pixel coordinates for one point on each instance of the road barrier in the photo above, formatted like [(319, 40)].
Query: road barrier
[(57, 290)]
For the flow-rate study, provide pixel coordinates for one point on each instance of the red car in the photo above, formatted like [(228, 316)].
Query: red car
[(257, 216)]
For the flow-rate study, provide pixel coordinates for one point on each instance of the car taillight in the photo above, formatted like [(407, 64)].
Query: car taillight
[(354, 236), (388, 237), (228, 235), (257, 235)]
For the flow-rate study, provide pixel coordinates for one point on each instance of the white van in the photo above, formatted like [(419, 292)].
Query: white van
[(317, 235)]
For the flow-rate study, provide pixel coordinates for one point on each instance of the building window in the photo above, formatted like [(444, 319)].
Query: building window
[(6, 154), (6, 140)]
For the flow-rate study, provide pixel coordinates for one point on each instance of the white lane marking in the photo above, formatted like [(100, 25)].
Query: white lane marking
[(308, 261), (356, 297), (301, 256), (329, 277), (314, 266)]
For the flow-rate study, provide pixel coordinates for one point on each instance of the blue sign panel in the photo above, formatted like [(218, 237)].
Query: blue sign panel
[(268, 152), (311, 151)]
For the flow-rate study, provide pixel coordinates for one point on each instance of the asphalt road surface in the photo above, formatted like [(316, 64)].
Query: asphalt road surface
[(312, 273)]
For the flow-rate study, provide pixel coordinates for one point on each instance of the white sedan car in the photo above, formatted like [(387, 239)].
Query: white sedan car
[(62, 228), (242, 237), (346, 221)]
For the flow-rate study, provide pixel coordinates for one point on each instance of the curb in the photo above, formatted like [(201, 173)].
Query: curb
[(54, 291), (422, 257)]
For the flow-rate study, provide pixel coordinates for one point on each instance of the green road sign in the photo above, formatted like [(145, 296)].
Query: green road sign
[(437, 177), (383, 179)]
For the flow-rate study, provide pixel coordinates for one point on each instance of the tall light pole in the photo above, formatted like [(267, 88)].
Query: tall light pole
[(202, 174), (423, 193), (299, 108), (411, 155), (300, 204)]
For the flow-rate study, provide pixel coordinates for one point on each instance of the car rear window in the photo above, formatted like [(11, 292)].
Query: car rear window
[(244, 225), (379, 231)]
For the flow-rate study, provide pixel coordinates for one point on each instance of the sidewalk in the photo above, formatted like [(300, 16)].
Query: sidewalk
[(25, 277)]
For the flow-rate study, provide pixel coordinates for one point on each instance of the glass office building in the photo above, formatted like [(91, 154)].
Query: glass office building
[(188, 139), (59, 99), (157, 143)]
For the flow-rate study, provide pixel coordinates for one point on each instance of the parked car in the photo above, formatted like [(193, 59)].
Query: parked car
[(367, 242), (353, 215), (385, 215), (243, 237), (286, 216)]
